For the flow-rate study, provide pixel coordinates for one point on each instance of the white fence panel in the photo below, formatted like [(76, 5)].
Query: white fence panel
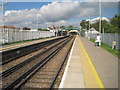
[(14, 36), (108, 39)]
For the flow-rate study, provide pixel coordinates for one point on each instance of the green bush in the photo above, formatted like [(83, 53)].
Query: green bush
[(83, 33)]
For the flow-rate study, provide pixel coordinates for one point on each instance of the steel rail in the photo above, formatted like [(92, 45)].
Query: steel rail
[(16, 67), (54, 79), (13, 54)]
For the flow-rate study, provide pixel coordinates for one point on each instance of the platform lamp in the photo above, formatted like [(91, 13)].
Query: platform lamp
[(89, 22), (3, 10), (89, 28), (100, 11), (38, 16), (100, 16)]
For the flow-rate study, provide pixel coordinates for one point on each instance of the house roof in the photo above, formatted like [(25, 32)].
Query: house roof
[(9, 27)]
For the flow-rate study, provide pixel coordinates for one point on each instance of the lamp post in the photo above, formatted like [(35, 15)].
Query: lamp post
[(89, 28), (100, 16), (38, 16), (3, 31), (89, 22), (100, 11)]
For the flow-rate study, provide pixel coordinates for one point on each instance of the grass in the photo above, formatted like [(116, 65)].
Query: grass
[(92, 40), (109, 49), (23, 41)]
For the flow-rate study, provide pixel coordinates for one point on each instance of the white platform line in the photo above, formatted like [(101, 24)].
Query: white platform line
[(66, 69)]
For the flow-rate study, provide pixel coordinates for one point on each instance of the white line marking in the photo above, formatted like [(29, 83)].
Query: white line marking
[(66, 69)]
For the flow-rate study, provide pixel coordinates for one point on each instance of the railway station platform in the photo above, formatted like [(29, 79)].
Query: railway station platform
[(17, 45), (90, 67)]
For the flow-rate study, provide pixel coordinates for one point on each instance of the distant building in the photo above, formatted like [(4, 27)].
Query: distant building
[(9, 28), (33, 30), (93, 30), (52, 29), (90, 31)]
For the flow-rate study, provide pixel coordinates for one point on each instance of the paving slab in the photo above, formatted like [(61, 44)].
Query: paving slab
[(104, 62), (74, 77), (90, 67)]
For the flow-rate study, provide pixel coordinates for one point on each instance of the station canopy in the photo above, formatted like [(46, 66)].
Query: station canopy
[(73, 31)]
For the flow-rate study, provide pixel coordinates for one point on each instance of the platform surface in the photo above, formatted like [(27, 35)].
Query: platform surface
[(90, 67), (13, 46)]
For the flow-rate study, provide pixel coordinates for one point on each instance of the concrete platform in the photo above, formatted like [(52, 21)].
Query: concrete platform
[(90, 67), (13, 46), (73, 76)]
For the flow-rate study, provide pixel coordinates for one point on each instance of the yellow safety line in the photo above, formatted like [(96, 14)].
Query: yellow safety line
[(93, 68)]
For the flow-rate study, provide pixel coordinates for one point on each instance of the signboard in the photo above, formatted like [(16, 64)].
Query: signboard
[(114, 44)]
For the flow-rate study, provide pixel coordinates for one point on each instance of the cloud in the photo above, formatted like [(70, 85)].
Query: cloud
[(62, 23), (60, 11), (55, 13), (20, 15)]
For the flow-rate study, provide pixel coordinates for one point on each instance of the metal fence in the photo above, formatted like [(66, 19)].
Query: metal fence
[(15, 35), (108, 39)]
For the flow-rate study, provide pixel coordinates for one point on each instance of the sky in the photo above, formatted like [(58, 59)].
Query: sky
[(26, 14), (58, 0)]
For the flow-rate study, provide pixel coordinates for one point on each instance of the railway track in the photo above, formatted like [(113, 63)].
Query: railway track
[(20, 75), (16, 64), (10, 55)]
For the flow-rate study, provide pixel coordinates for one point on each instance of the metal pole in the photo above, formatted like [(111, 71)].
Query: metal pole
[(38, 16), (89, 22), (89, 27), (3, 31), (37, 22), (103, 34), (100, 19), (3, 23), (100, 16)]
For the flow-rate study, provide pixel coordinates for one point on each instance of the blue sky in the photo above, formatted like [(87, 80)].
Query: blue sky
[(56, 12), (24, 5)]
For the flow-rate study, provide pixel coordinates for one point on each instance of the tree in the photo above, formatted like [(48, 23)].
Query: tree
[(115, 20), (40, 29), (25, 28), (110, 27), (71, 27), (95, 25), (62, 27), (115, 27), (84, 24)]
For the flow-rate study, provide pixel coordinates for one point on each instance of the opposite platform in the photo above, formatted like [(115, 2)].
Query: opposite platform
[(13, 46)]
